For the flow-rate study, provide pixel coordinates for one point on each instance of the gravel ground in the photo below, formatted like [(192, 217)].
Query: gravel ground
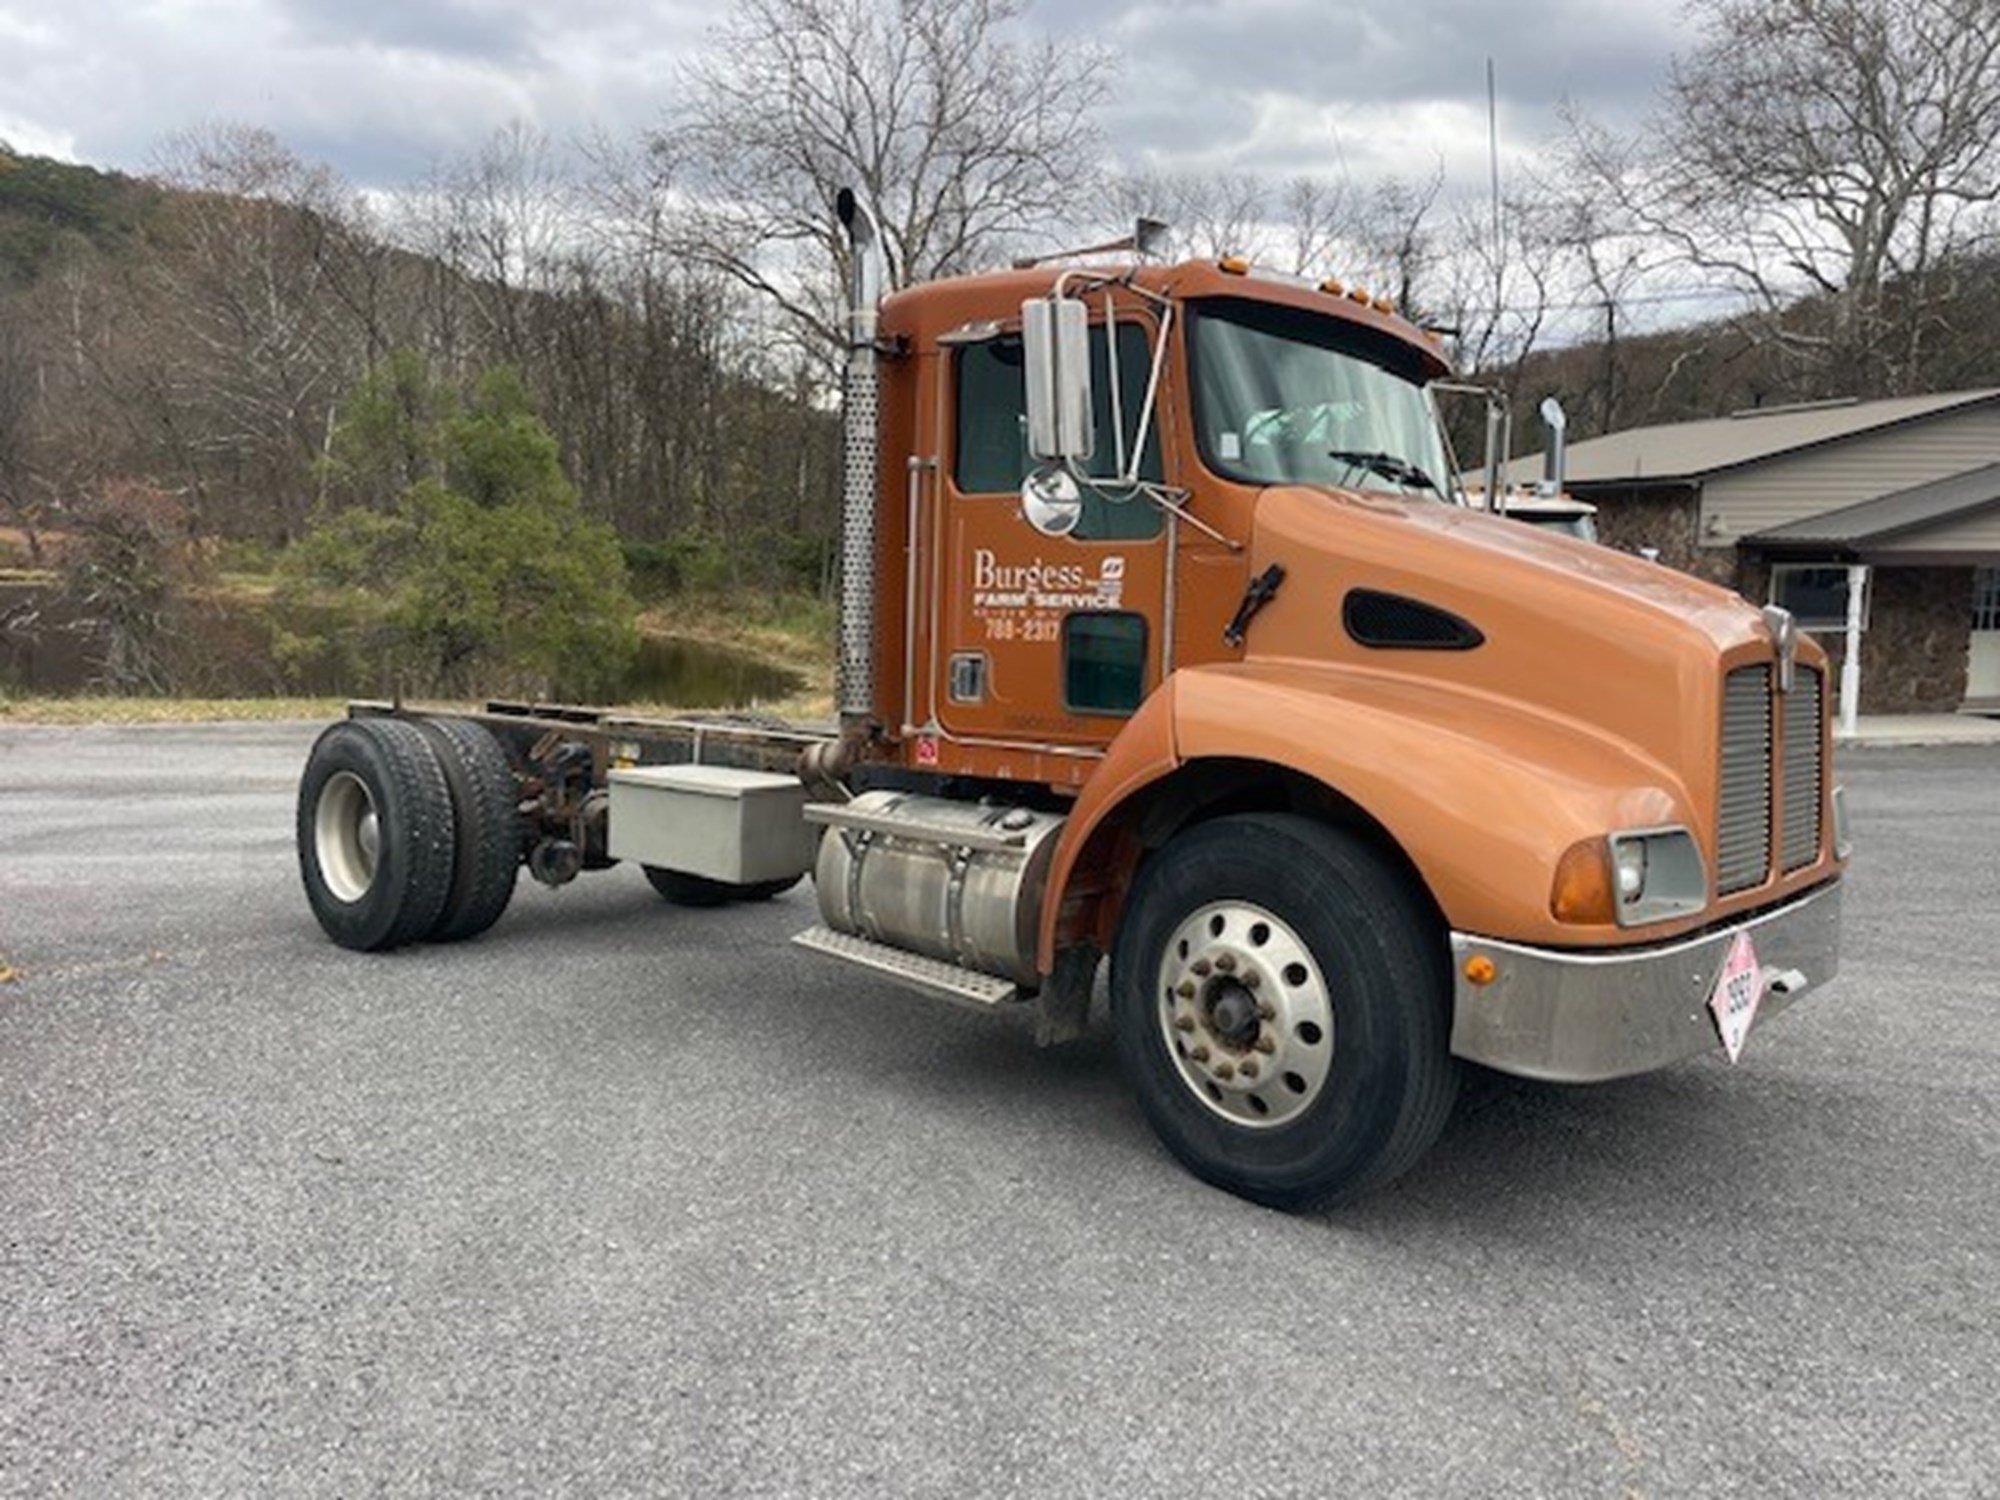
[(622, 1199)]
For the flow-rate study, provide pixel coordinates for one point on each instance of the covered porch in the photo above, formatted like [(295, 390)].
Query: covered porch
[(1904, 592)]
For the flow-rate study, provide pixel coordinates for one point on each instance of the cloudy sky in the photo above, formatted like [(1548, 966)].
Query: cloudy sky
[(382, 89)]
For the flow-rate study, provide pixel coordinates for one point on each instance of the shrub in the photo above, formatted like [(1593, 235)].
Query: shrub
[(479, 572)]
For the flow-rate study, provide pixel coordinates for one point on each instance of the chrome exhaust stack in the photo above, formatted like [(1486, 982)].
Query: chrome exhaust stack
[(862, 474), (1555, 454)]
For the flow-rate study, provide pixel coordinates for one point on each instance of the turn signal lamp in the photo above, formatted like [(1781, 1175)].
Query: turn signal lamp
[(1481, 970), (1582, 889), (1631, 878), (1235, 265)]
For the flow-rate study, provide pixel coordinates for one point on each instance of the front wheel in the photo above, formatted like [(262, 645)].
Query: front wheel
[(1281, 993)]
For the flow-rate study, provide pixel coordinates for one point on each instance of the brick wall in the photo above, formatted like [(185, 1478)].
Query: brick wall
[(1913, 652)]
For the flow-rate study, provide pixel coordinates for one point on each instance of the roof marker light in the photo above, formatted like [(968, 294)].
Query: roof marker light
[(1235, 265)]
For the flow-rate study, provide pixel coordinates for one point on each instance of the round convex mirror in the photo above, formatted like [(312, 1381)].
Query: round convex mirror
[(1051, 501)]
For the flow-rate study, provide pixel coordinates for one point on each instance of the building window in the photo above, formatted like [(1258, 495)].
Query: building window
[(1986, 599), (1815, 593)]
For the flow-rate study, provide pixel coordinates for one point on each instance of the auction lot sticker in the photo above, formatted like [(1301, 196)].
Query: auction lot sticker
[(1738, 989)]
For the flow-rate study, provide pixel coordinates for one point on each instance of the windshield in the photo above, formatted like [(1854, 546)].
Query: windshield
[(1287, 397)]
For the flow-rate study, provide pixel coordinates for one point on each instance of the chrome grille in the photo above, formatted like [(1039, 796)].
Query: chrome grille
[(1743, 824), (1802, 773)]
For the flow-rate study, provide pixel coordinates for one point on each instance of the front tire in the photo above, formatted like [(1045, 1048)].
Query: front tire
[(1281, 993), (375, 834)]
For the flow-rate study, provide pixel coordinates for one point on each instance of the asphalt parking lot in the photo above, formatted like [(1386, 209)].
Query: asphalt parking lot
[(622, 1199)]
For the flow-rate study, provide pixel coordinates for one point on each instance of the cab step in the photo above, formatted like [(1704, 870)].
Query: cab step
[(930, 976)]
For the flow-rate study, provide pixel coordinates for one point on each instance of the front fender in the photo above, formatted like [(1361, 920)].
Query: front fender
[(1481, 794)]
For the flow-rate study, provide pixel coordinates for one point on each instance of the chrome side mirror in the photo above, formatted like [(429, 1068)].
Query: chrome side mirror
[(1055, 339), (1051, 501)]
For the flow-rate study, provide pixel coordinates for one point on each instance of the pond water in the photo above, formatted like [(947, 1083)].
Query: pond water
[(696, 674), (42, 651)]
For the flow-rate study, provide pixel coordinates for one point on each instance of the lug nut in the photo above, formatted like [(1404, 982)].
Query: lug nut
[(1251, 979), (1201, 967), (1199, 1054), (1267, 1012), (1185, 989), (1184, 1023), (1249, 1067), (1226, 962), (1265, 1045), (1225, 1070)]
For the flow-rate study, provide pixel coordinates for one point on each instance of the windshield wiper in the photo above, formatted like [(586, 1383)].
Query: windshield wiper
[(1386, 466)]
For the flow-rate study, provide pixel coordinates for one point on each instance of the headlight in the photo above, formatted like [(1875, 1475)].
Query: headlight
[(1631, 878), (1660, 875)]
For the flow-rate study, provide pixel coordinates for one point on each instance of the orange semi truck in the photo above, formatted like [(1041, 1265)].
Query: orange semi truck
[(1164, 640)]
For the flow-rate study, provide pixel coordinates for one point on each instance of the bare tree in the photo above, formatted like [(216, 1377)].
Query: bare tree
[(1300, 226), (252, 346), (1321, 217), (1849, 148), (18, 380), (1494, 297), (1399, 239), (1207, 214), (964, 139)]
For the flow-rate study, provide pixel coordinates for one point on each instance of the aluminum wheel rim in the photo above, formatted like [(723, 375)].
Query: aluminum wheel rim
[(1245, 1014), (347, 836)]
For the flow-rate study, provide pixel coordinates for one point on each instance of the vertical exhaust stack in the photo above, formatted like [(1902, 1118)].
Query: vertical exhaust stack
[(861, 485), (1498, 435), (1554, 455)]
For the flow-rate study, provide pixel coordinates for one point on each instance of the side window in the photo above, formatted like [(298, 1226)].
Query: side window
[(1103, 661), (991, 455)]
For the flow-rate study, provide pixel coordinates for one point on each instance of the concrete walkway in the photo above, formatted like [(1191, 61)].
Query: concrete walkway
[(1921, 729)]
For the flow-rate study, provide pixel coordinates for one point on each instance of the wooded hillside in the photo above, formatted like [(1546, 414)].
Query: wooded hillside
[(198, 333)]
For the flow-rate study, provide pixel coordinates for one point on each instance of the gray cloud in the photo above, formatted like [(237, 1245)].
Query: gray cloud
[(1293, 85), (381, 88), (444, 28)]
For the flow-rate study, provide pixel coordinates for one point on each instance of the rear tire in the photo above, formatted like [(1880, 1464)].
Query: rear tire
[(375, 834), (698, 890), (485, 804), (1282, 993)]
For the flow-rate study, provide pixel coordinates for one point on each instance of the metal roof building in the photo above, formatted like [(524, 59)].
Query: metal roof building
[(1876, 522)]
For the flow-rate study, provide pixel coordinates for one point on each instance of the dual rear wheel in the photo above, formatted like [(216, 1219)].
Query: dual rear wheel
[(407, 831)]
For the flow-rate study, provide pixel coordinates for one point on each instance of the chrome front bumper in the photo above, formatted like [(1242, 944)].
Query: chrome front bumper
[(1581, 1016)]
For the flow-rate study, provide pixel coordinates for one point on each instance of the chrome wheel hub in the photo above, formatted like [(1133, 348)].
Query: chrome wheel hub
[(1245, 1014), (347, 836)]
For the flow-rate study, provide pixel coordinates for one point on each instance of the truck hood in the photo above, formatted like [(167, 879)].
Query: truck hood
[(1617, 645)]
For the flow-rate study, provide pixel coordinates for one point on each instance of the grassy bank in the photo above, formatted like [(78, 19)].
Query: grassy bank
[(790, 632), (106, 710)]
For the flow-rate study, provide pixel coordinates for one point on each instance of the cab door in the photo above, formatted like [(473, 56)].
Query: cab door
[(1046, 639)]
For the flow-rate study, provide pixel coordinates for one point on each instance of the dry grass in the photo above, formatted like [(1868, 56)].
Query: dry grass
[(794, 635), (109, 710)]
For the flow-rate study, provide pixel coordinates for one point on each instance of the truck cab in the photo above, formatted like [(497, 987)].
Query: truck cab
[(1215, 587)]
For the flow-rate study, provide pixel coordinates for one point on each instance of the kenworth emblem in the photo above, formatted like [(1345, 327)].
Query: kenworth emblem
[(1785, 636)]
